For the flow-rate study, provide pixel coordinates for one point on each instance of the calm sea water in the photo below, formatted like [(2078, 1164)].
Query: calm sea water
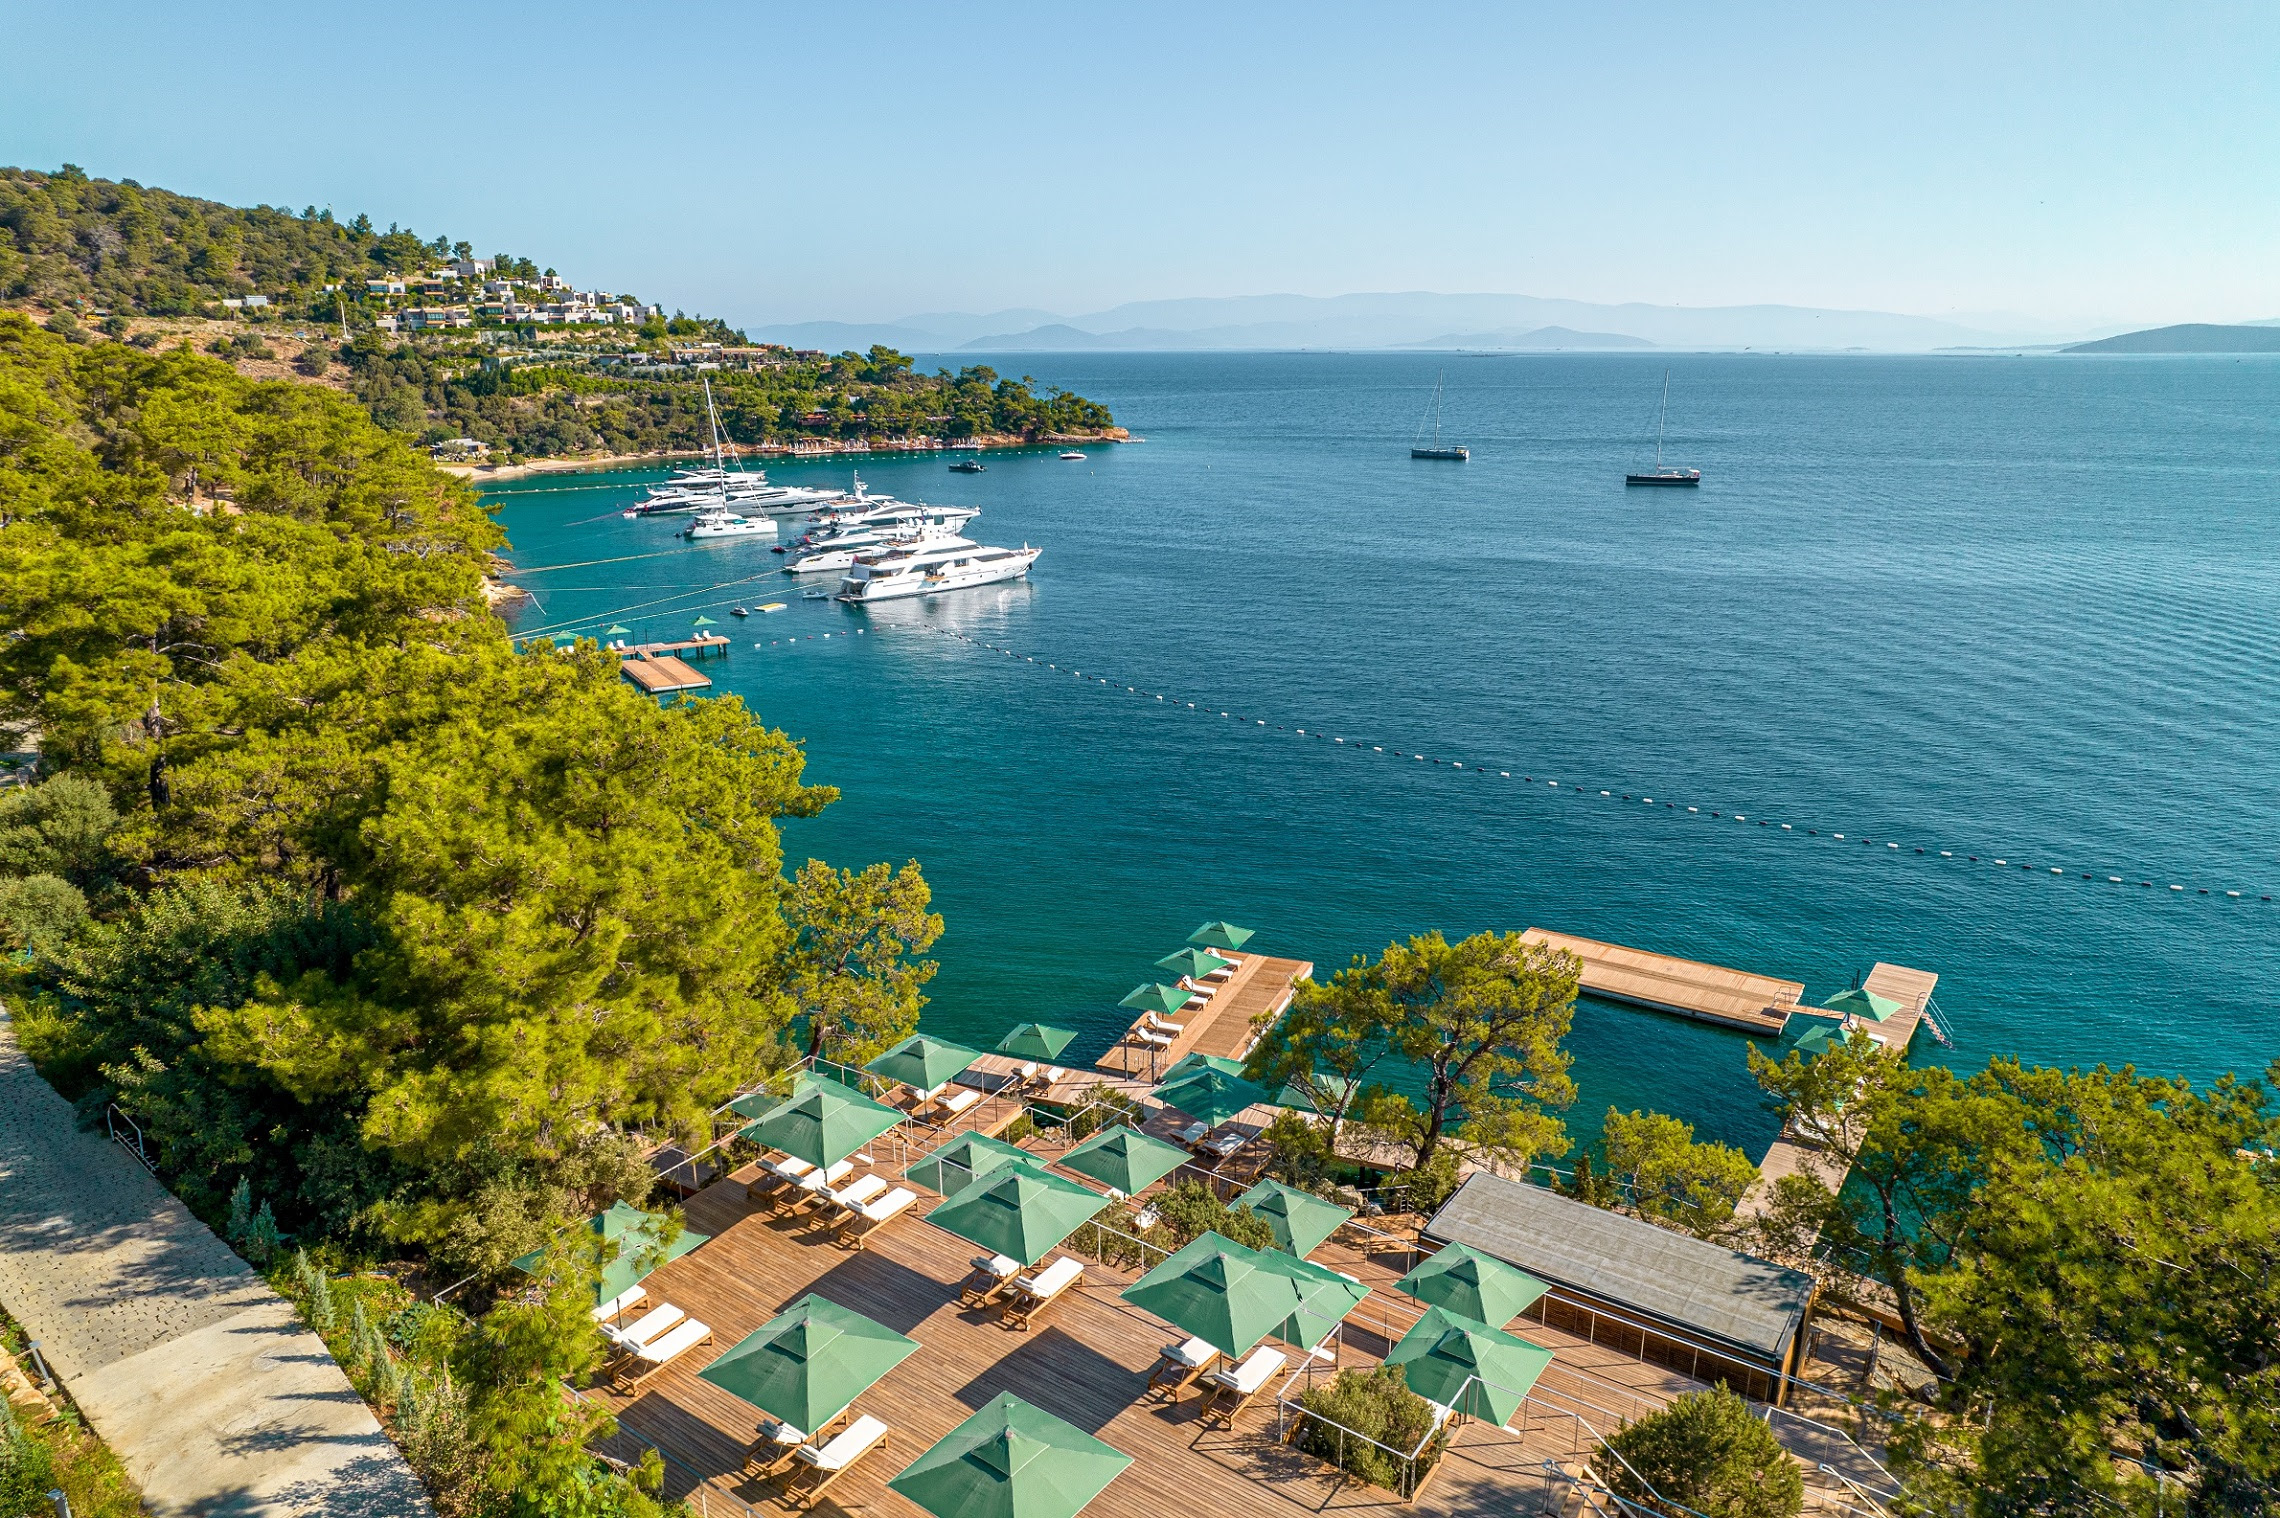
[(2017, 608)]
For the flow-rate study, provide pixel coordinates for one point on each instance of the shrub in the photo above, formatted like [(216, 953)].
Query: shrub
[(315, 359), (1104, 1107), (27, 1470), (1300, 1148), (1191, 1209), (1706, 1452), (1376, 1404), (1429, 1187)]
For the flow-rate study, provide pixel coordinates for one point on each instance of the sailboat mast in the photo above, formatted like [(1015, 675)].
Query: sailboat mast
[(1660, 418)]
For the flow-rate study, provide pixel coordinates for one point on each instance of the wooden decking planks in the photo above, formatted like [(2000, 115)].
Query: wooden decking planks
[(661, 675), (1686, 987), (1221, 1026), (1086, 1362)]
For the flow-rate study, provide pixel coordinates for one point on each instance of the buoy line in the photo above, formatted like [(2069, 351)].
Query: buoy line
[(1584, 791)]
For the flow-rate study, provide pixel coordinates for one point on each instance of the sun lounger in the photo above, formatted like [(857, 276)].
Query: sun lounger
[(774, 1176), (875, 1215), (1031, 1295), (815, 1469), (1226, 1144), (852, 1196), (648, 1326), (1191, 984), (778, 1441), (1193, 1131), (621, 1304), (654, 1356), (1227, 1392), (1148, 1036), (1054, 1075), (958, 1101), (992, 1274), (1162, 1024), (1179, 1364), (816, 1183)]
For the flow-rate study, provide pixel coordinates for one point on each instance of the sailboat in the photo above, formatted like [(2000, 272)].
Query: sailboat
[(1673, 475), (1455, 453)]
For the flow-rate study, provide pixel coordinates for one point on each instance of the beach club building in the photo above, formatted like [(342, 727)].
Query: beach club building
[(1715, 1314)]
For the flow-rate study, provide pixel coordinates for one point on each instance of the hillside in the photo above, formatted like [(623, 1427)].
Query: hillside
[(492, 357), (2190, 337)]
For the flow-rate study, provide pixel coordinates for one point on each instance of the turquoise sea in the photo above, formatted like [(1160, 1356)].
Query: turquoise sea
[(2018, 608)]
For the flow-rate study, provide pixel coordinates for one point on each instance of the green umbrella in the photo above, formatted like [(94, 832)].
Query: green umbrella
[(1011, 1460), (965, 1160), (1018, 1212), (617, 632), (1481, 1372), (1220, 935), (923, 1063), (1478, 1286), (1188, 1064), (1862, 1002), (1209, 1095), (703, 622), (1124, 1158), (1220, 1292), (1325, 1297), (1820, 1040), (808, 1362), (1157, 998), (631, 1247), (1035, 1041), (1301, 1220), (1192, 962), (822, 1122), (1296, 1095)]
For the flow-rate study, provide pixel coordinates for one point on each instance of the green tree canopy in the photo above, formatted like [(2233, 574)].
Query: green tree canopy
[(1706, 1454)]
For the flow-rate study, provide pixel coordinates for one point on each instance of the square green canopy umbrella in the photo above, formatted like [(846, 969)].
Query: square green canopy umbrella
[(1209, 1095), (1192, 962), (1324, 1297), (1188, 1064), (1124, 1158), (808, 1362), (1018, 1212), (1474, 1285), (762, 1102), (1862, 1002), (1297, 1095), (1160, 999), (1301, 1220), (1480, 1372), (965, 1160), (822, 1122), (1220, 1292), (1820, 1039), (1035, 1041), (703, 622), (1011, 1460), (631, 1247), (1220, 935), (923, 1063)]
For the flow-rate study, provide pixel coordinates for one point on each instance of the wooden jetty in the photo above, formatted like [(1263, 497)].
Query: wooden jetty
[(695, 648), (1227, 1024), (662, 675), (1682, 987)]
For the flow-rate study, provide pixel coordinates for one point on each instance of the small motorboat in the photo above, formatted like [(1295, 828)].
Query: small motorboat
[(816, 593), (968, 466), (1073, 454), (741, 612)]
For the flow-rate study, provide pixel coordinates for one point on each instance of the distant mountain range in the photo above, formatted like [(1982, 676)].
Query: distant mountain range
[(1413, 320), (2192, 337)]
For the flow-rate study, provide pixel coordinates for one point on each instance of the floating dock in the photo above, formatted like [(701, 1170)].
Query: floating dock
[(1227, 1024), (663, 675), (696, 648), (1682, 987)]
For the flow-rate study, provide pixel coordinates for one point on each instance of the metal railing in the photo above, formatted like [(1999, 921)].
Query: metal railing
[(132, 1139)]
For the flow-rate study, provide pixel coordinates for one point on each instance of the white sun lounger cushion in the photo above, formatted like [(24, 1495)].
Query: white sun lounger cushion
[(841, 1451), (1252, 1373), (646, 1327), (1054, 1075), (860, 1190), (1193, 1353), (1052, 1280), (1161, 1024), (966, 1097), (618, 1304), (780, 1433), (663, 1350), (1028, 1072), (820, 1180), (887, 1206), (998, 1265), (1160, 1040), (1194, 1131), (788, 1167)]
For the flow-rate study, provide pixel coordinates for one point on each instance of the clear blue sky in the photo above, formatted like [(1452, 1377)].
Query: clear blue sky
[(2078, 164)]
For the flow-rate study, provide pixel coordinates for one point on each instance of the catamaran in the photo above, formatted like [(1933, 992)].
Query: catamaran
[(1661, 475), (930, 568)]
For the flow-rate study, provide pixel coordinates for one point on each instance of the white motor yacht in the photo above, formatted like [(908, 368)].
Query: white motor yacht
[(719, 522), (930, 568), (839, 550)]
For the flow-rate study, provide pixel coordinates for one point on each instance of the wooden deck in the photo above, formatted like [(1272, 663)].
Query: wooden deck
[(1086, 1361), (1684, 987), (697, 647), (661, 675), (1224, 1026)]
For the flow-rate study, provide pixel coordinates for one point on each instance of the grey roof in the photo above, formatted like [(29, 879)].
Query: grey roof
[(1717, 1294)]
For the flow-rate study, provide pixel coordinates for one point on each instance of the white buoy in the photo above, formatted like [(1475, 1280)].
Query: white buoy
[(1786, 828), (1694, 809), (2055, 870), (2114, 879)]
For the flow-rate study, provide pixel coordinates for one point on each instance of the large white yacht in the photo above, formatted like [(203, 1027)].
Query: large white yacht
[(932, 567), (718, 486), (720, 522), (838, 550)]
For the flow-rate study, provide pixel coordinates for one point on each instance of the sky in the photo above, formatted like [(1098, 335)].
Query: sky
[(2066, 166)]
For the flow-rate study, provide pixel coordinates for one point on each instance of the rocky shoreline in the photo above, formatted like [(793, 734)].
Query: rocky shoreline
[(801, 452)]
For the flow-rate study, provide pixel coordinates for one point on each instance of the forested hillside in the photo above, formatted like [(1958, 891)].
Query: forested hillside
[(93, 259), (421, 941)]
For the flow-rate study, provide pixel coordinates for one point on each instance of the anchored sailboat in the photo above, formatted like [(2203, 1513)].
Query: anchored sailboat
[(1453, 452), (1673, 475)]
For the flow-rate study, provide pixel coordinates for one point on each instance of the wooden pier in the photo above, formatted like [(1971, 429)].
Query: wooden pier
[(696, 648), (1682, 987), (662, 675), (1226, 1025)]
